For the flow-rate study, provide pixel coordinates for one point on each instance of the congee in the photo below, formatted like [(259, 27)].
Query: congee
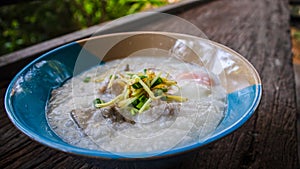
[(137, 104)]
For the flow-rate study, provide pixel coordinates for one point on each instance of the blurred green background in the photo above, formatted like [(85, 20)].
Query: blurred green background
[(26, 23)]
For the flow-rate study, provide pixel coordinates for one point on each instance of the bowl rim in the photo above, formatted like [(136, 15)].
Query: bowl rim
[(108, 155)]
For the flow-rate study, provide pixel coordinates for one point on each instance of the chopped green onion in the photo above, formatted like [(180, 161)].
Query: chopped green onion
[(143, 76), (147, 89), (140, 105), (143, 98), (87, 79), (145, 71), (157, 82), (145, 105), (137, 85), (135, 102), (98, 101), (125, 103)]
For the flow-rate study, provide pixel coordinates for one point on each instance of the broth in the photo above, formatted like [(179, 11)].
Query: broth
[(163, 125)]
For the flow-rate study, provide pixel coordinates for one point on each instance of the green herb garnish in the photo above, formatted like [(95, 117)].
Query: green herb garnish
[(157, 82), (137, 85), (140, 90), (98, 101), (87, 79)]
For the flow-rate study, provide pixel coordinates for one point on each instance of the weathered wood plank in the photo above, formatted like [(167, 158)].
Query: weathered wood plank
[(260, 31)]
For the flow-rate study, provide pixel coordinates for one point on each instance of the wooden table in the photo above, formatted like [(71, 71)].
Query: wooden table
[(259, 30)]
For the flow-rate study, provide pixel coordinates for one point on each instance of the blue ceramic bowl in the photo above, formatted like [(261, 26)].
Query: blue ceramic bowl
[(28, 93)]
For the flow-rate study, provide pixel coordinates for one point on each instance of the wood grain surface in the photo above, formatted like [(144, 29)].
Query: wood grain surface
[(259, 30)]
